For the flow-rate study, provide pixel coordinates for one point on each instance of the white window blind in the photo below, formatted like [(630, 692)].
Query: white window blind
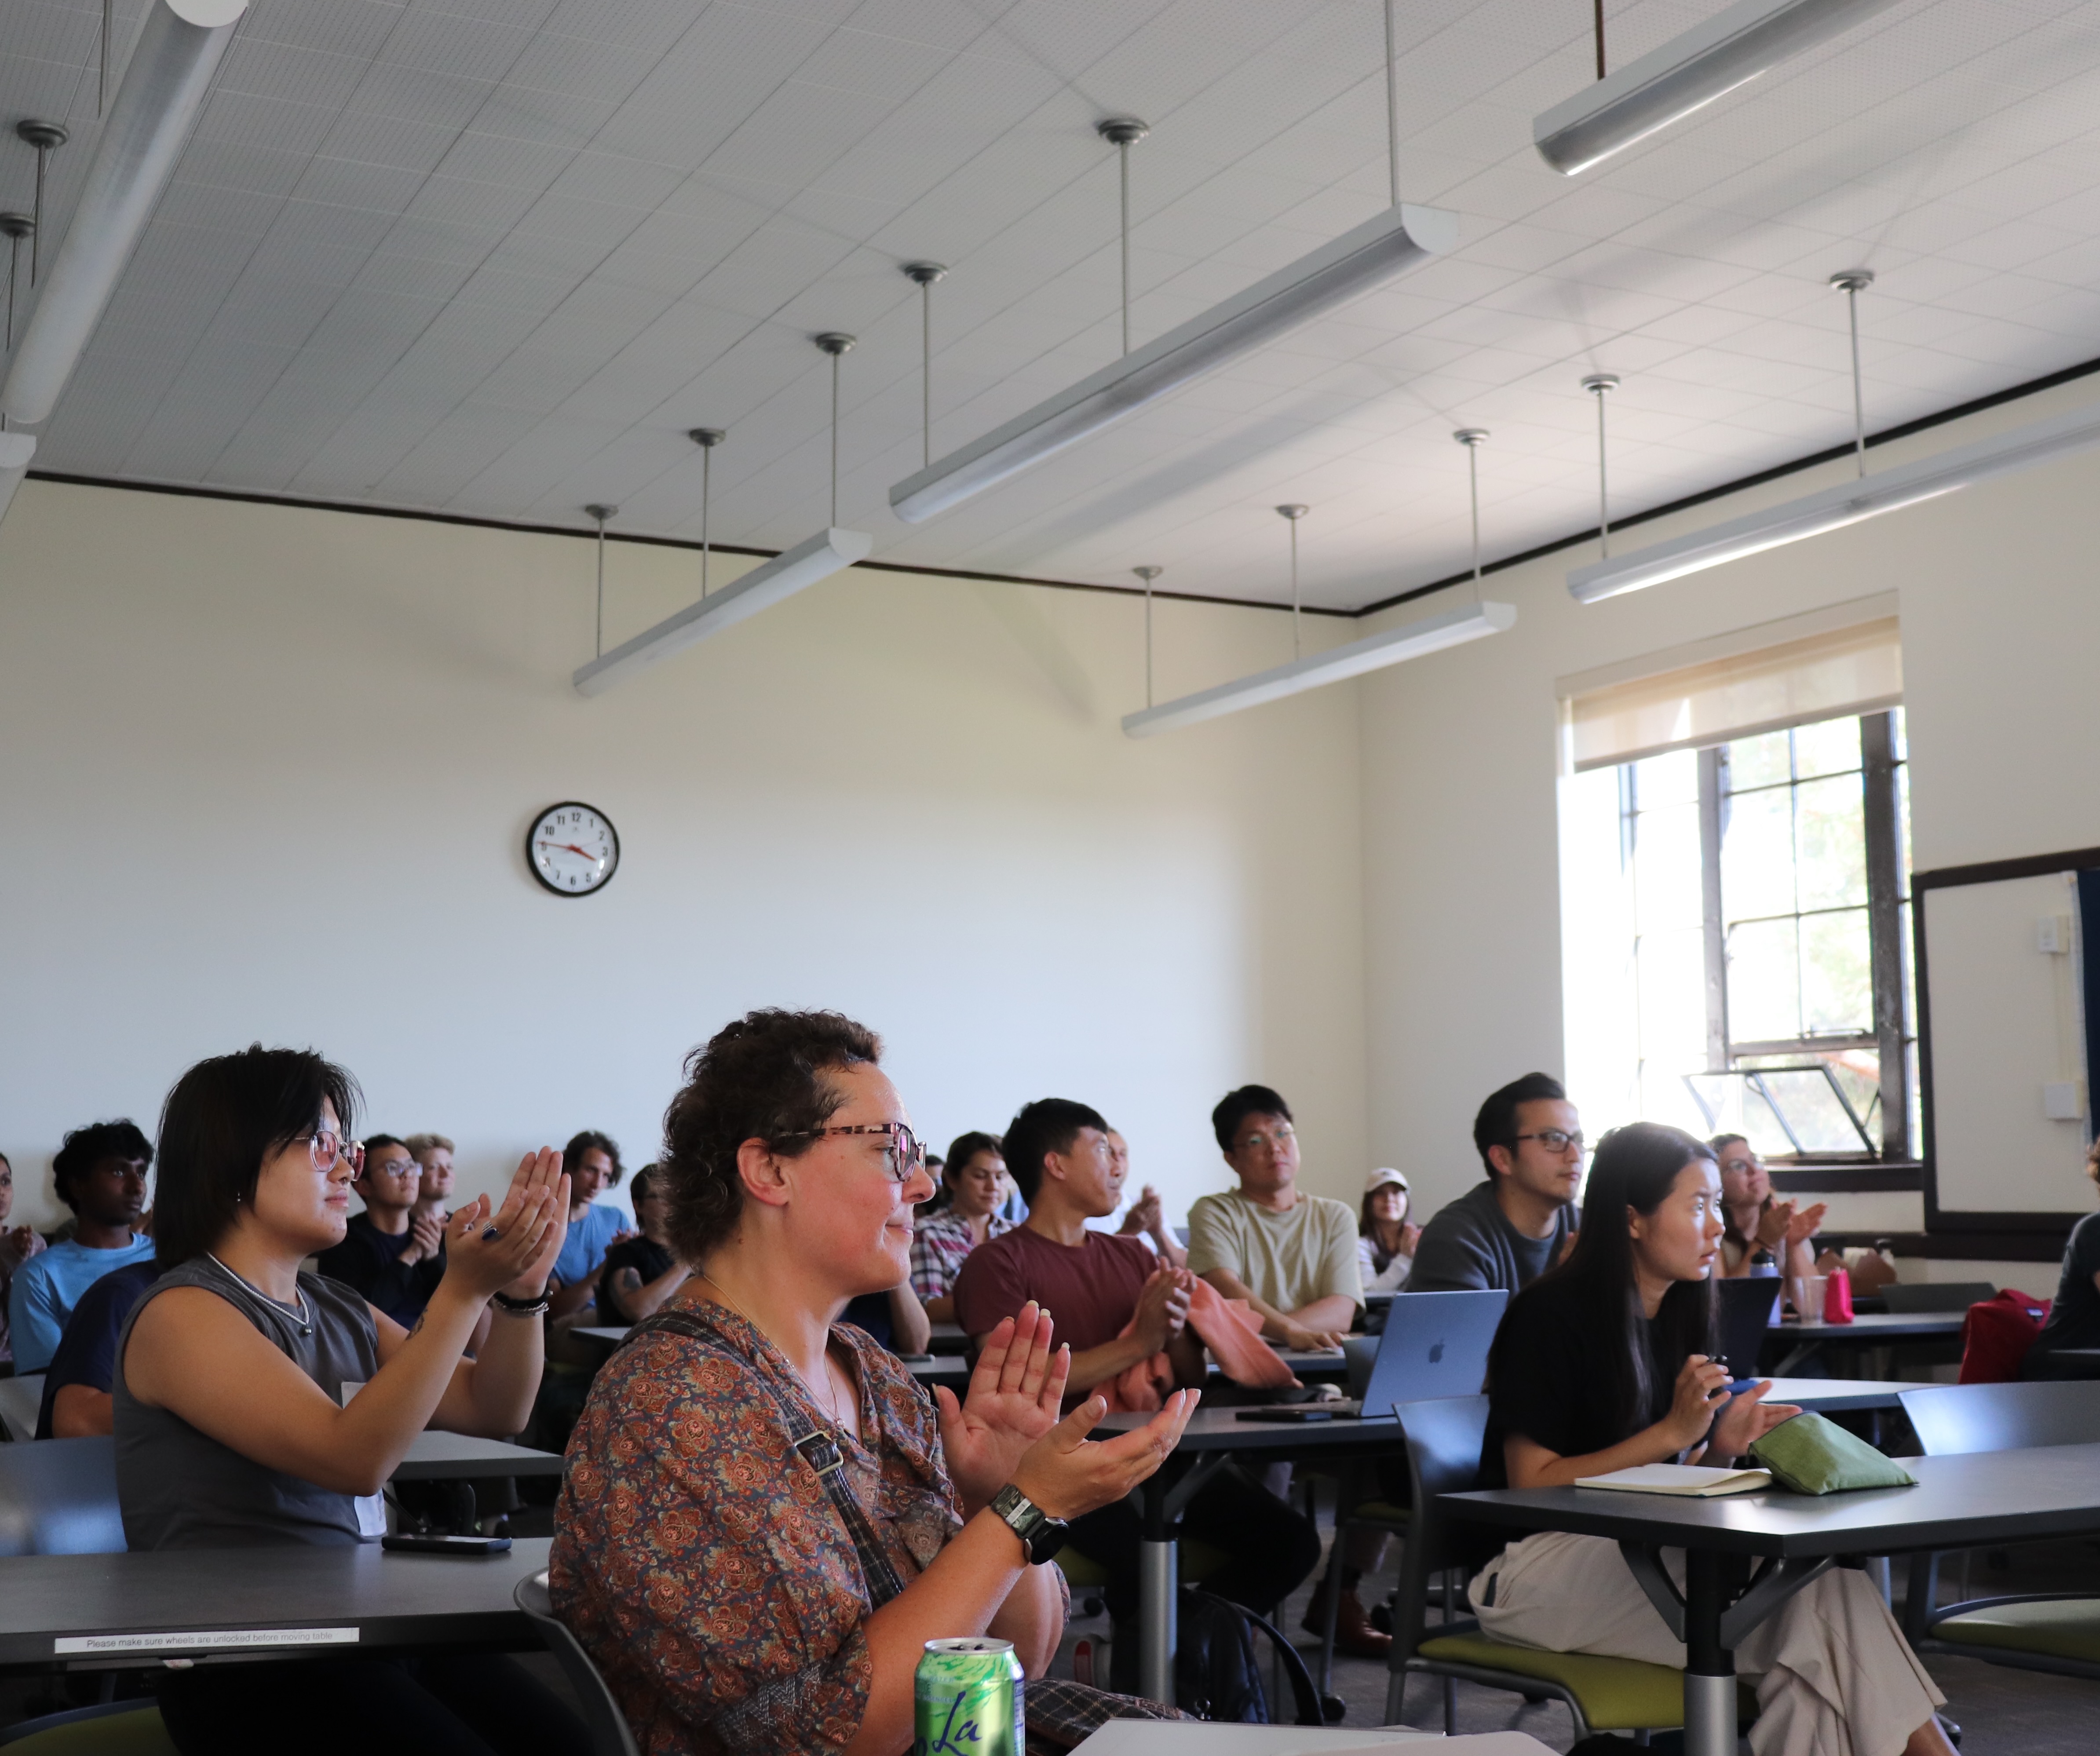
[(1786, 673)]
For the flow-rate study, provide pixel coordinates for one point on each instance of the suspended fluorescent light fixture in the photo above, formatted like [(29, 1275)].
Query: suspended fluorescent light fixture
[(830, 551), (156, 106), (1848, 503), (1731, 49), (1413, 640), (16, 449), (1353, 264)]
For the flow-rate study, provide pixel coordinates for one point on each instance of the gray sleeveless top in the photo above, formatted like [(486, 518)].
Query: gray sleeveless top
[(180, 1488)]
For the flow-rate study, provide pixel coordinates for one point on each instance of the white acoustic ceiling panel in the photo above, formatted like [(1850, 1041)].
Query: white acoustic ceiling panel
[(496, 258)]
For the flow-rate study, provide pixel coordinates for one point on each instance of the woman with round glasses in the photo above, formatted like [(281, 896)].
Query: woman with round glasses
[(1757, 1223), (764, 1520), (256, 1406)]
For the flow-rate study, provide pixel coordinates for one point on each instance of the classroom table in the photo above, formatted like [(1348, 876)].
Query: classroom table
[(1872, 1329), (455, 1458), (1154, 1737), (1976, 1501), (97, 1612), (1214, 1437)]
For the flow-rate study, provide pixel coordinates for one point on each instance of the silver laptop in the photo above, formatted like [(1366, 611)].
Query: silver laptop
[(1434, 1344)]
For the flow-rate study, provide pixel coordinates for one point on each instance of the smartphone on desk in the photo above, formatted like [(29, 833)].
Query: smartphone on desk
[(410, 1545)]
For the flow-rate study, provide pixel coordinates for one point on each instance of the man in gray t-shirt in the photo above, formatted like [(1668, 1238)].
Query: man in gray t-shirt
[(1511, 1229)]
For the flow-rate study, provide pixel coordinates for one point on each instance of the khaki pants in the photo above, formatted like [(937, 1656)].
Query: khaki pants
[(1834, 1674)]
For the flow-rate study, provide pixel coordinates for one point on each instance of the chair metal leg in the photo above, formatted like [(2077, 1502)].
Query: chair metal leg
[(1450, 1683), (1396, 1696), (1331, 1607)]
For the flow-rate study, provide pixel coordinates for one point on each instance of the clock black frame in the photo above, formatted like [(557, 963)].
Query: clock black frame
[(532, 866)]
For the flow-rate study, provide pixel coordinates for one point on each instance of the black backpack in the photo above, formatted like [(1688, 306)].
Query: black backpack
[(1217, 1668)]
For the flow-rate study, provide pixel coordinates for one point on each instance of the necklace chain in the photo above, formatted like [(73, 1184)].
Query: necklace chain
[(304, 1322), (830, 1404)]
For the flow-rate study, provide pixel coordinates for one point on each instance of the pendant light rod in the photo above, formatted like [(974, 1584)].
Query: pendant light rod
[(601, 514), (1122, 133), (16, 449), (1852, 282), (44, 139), (707, 439), (1371, 256), (1473, 438), (925, 274), (1709, 60), (1393, 100), (13, 227), (1293, 513), (155, 106), (835, 344), (1147, 574), (1601, 384)]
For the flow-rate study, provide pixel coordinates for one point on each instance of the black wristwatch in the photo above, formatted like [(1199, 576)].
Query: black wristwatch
[(1041, 1535)]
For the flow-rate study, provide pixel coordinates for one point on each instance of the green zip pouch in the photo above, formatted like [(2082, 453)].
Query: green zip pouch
[(1810, 1455)]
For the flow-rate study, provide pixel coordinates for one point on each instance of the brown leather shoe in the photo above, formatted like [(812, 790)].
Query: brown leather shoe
[(1354, 1635)]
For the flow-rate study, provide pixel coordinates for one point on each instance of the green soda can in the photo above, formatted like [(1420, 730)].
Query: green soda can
[(966, 1700)]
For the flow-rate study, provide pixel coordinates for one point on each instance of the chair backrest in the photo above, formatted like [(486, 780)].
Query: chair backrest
[(20, 1401), (1923, 1296), (609, 1731), (1444, 1438), (1952, 1419), (59, 1497)]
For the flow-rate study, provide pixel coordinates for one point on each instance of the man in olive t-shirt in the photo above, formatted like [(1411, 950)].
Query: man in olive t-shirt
[(1292, 1256)]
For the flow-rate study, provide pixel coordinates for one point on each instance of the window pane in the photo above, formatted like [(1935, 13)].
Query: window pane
[(1673, 999), (1671, 779), (1666, 868), (1758, 762), (1829, 749), (1757, 856), (1910, 975), (1836, 974), (1764, 991), (1902, 830), (1830, 831)]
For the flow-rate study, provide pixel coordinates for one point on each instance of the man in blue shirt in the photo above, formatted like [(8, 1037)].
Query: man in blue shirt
[(592, 1161), (100, 1173)]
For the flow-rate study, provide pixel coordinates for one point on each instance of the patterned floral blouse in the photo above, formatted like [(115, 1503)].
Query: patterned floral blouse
[(698, 1559)]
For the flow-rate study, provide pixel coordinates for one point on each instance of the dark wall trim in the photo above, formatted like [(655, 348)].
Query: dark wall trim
[(355, 509), (1966, 1246), (1940, 1221), (1923, 424), (1840, 1180)]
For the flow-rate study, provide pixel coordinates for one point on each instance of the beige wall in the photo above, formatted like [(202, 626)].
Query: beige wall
[(268, 771), (2000, 625)]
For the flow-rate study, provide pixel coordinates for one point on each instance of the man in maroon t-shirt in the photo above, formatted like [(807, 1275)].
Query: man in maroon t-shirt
[(1095, 1286)]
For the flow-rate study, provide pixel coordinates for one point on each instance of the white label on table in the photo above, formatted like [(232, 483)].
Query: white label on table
[(187, 1642)]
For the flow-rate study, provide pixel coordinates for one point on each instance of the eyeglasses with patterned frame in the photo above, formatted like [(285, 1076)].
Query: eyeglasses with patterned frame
[(327, 1145), (904, 1155)]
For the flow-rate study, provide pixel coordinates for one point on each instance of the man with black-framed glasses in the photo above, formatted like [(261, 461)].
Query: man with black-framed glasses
[(1511, 1229)]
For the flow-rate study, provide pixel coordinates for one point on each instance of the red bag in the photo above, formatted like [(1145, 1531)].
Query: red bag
[(1997, 1333)]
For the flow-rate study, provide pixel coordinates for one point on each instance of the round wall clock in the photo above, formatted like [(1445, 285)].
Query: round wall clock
[(572, 848)]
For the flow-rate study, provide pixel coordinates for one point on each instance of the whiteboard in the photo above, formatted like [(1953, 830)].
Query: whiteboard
[(2005, 1022)]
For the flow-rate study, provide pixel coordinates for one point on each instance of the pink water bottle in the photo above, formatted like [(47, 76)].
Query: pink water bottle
[(1837, 1298)]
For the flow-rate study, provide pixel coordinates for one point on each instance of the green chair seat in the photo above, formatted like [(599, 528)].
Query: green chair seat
[(1615, 1694), (2058, 1628), (1083, 1572), (1379, 1512), (138, 1733)]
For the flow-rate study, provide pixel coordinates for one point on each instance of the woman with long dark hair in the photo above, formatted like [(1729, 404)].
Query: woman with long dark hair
[(1607, 1363), (1755, 1219), (1385, 1238)]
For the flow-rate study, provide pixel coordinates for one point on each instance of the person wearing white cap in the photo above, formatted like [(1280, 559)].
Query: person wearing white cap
[(1385, 1238)]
